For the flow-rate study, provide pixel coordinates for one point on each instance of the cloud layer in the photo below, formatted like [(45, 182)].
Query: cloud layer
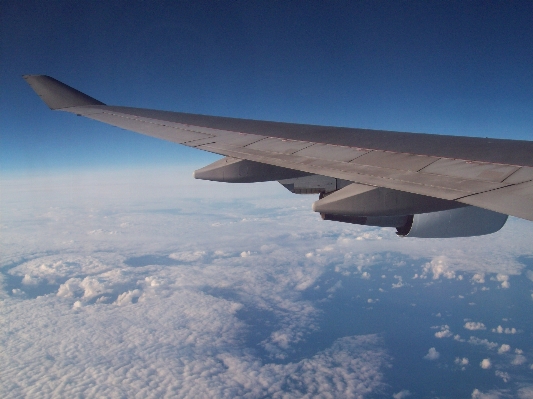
[(111, 290)]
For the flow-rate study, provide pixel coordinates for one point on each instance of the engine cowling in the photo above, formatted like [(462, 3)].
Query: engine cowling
[(412, 215), (467, 221)]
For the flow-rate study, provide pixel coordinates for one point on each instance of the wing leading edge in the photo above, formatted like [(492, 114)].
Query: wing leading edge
[(493, 174)]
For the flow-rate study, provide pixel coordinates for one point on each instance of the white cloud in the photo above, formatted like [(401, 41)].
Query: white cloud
[(472, 325), (128, 297), (484, 342), (369, 236), (461, 361), (485, 364), (70, 288), (507, 330), (93, 287), (504, 348), (29, 280), (178, 331), (399, 283), (477, 394), (504, 279), (479, 278), (503, 375), (168, 334), (526, 392), (337, 286), (188, 256), (432, 354), (439, 267), (404, 393), (444, 332), (518, 360)]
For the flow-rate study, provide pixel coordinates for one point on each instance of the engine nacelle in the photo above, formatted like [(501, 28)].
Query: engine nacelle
[(413, 215), (468, 221), (379, 221)]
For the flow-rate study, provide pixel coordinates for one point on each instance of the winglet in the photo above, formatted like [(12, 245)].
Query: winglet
[(58, 95)]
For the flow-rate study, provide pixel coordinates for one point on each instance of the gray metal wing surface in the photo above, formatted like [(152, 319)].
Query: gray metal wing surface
[(494, 174)]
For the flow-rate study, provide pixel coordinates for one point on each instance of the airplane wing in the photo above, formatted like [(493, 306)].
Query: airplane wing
[(492, 174)]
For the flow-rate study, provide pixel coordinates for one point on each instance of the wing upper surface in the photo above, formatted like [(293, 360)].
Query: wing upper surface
[(494, 174)]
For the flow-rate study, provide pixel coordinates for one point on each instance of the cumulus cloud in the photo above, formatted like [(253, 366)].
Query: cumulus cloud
[(483, 342), (115, 346), (485, 364), (187, 256), (518, 360), (399, 283), (111, 327), (438, 267), (478, 278), (504, 348), (506, 330), (29, 280), (148, 329), (525, 392), (477, 394), (472, 325), (404, 393), (461, 361), (432, 354), (444, 332), (128, 297), (504, 279), (503, 375)]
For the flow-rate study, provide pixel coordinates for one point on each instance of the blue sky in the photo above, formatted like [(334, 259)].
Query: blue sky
[(439, 67)]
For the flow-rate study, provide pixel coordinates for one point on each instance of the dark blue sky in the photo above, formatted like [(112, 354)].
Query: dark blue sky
[(461, 68)]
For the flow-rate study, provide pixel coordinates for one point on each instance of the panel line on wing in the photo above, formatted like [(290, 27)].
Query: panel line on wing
[(522, 174), (365, 178), (403, 171)]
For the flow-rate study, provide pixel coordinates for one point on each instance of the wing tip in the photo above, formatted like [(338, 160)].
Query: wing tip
[(58, 95)]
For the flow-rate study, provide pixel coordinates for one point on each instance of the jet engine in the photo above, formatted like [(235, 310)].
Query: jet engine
[(412, 215), (467, 221)]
